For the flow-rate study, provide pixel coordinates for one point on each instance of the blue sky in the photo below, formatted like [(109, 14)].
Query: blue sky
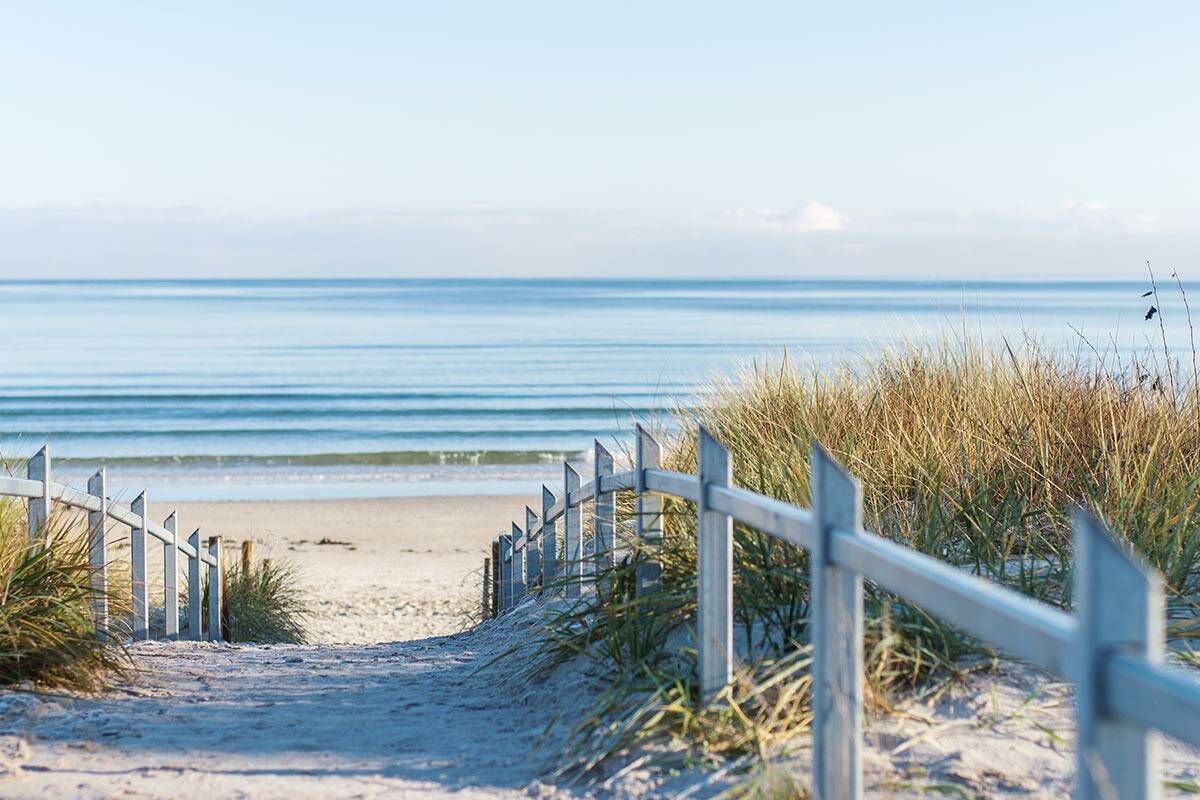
[(569, 138)]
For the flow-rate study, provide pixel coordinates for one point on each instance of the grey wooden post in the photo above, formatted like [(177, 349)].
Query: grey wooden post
[(137, 564), (572, 533), (38, 469), (484, 610), (533, 557), (714, 585), (1121, 610), (549, 540), (605, 512), (837, 619), (649, 514), (495, 578), (98, 551), (171, 579), (506, 572), (195, 623), (216, 590), (518, 567)]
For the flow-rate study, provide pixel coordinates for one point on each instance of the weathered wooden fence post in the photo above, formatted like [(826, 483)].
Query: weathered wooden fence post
[(485, 610), (549, 540), (506, 572), (38, 469), (215, 590), (247, 556), (1120, 608), (649, 514), (137, 565), (98, 550), (837, 619), (533, 555), (518, 566), (195, 624), (497, 606), (572, 533), (171, 579), (604, 512), (714, 585)]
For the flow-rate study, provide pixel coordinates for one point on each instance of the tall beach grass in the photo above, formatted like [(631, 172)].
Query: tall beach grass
[(971, 451), (48, 632)]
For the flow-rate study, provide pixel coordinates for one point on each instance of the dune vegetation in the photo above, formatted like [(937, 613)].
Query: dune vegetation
[(48, 635), (263, 603), (971, 451)]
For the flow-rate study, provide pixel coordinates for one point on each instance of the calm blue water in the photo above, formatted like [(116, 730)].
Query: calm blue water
[(289, 382)]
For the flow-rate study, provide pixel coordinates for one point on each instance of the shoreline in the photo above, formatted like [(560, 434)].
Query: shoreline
[(266, 482)]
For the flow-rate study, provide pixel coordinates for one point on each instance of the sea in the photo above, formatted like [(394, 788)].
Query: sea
[(282, 389)]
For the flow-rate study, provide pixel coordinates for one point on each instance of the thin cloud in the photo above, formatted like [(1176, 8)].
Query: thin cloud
[(812, 238), (812, 217)]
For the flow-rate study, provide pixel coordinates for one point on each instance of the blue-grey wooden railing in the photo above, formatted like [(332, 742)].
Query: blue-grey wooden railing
[(42, 492), (1111, 648)]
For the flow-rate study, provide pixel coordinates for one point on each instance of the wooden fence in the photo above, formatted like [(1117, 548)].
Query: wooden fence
[(42, 493), (1111, 648)]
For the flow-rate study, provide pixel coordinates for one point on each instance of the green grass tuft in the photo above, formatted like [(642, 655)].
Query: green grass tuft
[(264, 603), (48, 635)]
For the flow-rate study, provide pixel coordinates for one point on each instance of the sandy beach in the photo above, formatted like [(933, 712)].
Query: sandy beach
[(392, 698), (391, 569)]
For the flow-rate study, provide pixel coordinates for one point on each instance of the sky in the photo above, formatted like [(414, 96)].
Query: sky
[(276, 139)]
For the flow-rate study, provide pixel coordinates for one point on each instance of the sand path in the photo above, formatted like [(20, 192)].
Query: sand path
[(385, 705), (412, 719)]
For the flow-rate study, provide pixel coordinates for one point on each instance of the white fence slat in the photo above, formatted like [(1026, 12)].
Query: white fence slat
[(137, 564), (714, 586), (649, 513), (485, 610), (506, 573), (195, 598), (572, 533), (549, 540), (1121, 610), (216, 589), (533, 556), (604, 509), (518, 567), (837, 623), (171, 579), (19, 487), (1166, 698), (38, 469), (97, 522), (1017, 624), (496, 607)]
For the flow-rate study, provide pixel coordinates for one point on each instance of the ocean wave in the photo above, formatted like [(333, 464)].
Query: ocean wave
[(393, 458)]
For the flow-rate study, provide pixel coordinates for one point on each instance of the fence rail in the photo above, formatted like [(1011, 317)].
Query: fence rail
[(1111, 648), (42, 493)]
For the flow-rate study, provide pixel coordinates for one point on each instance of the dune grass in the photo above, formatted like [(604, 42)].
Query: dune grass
[(969, 451), (48, 635), (263, 603)]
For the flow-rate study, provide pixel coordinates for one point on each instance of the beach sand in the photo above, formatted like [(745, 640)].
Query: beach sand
[(393, 698), (397, 568)]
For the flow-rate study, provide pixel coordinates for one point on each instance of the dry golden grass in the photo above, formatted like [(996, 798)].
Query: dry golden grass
[(48, 635), (971, 452)]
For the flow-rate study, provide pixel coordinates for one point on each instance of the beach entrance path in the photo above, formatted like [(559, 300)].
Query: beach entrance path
[(386, 703), (412, 719)]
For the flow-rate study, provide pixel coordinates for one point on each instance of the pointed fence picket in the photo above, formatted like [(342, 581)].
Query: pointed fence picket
[(42, 493), (1111, 648)]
